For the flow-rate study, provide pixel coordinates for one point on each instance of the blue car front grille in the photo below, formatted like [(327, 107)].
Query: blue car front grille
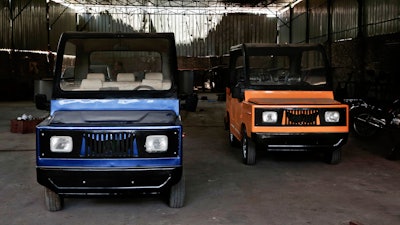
[(103, 144), (109, 145)]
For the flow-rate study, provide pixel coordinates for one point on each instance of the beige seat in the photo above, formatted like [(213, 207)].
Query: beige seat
[(91, 84), (153, 79), (166, 84), (153, 76), (155, 84), (96, 76), (123, 77)]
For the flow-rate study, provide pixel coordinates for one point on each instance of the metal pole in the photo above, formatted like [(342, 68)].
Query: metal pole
[(307, 21), (290, 24), (10, 8), (48, 24)]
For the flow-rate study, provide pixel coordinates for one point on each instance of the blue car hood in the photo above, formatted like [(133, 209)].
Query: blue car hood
[(91, 112)]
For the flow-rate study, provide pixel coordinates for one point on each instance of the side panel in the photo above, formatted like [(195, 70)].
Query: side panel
[(248, 117), (234, 108)]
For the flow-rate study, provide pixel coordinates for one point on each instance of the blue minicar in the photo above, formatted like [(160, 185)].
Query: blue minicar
[(114, 126)]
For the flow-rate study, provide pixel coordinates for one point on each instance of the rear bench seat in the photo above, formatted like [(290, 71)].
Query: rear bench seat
[(91, 84), (125, 81), (156, 80)]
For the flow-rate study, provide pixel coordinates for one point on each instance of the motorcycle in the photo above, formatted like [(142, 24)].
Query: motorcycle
[(367, 118)]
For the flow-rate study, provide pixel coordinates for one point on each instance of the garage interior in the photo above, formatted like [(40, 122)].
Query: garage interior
[(361, 37)]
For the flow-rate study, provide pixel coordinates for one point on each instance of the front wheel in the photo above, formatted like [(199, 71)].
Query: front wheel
[(248, 149), (333, 157), (394, 153), (54, 202), (360, 126), (177, 194)]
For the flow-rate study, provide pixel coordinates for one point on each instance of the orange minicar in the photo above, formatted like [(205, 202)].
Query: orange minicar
[(280, 98)]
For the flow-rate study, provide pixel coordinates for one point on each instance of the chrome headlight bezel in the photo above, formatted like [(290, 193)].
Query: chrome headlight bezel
[(61, 144), (269, 117), (156, 144), (332, 116)]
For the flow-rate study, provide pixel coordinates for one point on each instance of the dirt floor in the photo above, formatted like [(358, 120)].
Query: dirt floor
[(282, 188)]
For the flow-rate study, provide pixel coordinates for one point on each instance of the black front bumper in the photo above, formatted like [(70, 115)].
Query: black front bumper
[(78, 181), (300, 141)]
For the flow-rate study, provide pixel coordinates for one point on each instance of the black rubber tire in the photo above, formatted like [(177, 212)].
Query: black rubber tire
[(232, 140), (334, 157), (248, 149), (359, 128), (177, 194), (191, 103), (226, 122), (393, 154), (54, 202)]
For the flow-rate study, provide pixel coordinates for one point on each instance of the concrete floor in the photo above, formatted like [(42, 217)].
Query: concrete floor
[(281, 189)]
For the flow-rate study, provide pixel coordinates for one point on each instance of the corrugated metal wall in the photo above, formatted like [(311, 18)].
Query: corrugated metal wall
[(4, 25), (344, 20), (61, 19), (23, 24), (380, 17), (316, 16), (196, 35)]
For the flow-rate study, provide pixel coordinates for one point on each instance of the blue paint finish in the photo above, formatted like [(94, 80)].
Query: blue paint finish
[(114, 104), (111, 104), (111, 163), (37, 146), (135, 148), (115, 163), (82, 152), (110, 128)]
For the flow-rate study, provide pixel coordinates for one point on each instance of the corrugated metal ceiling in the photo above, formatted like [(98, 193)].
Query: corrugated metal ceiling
[(267, 7), (185, 3)]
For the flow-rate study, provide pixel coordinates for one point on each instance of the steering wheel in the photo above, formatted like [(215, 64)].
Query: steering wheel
[(146, 87), (283, 77)]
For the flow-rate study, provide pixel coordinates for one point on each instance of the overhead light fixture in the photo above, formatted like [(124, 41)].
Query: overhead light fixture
[(292, 5), (289, 6)]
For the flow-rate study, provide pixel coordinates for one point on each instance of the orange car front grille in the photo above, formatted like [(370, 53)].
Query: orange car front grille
[(301, 117)]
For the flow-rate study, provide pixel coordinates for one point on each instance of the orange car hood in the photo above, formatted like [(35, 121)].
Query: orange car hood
[(293, 101), (290, 97)]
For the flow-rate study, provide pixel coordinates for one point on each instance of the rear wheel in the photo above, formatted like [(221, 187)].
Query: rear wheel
[(248, 149), (232, 139), (54, 202)]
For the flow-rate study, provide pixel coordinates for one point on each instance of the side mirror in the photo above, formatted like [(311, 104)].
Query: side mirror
[(237, 92), (41, 102)]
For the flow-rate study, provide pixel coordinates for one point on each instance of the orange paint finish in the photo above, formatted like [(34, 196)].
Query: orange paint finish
[(287, 94), (242, 113)]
